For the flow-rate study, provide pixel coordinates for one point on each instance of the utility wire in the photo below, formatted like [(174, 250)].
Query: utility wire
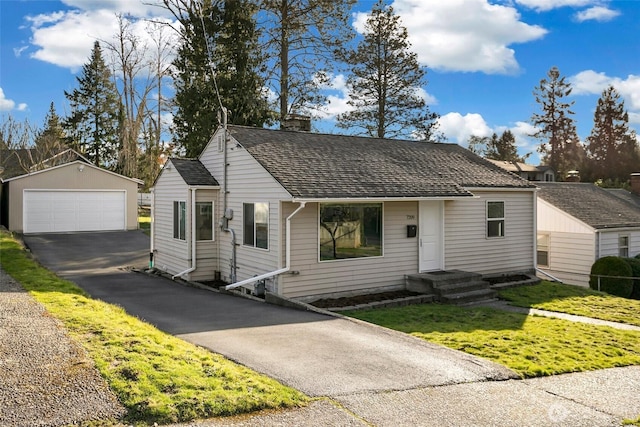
[(210, 56)]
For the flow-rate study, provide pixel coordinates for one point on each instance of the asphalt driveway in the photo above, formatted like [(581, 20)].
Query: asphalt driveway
[(317, 354)]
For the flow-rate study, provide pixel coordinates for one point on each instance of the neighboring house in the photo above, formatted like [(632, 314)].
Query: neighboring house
[(319, 214), (579, 223), (528, 172), (64, 193), (632, 196)]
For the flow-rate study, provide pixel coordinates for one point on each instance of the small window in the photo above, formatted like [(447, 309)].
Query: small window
[(179, 220), (350, 230), (543, 250), (204, 220), (495, 219), (256, 225), (623, 246)]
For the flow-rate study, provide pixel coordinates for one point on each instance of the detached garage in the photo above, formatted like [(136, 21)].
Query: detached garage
[(75, 196)]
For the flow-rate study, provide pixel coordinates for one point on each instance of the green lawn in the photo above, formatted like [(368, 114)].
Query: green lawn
[(575, 300), (530, 345), (156, 376)]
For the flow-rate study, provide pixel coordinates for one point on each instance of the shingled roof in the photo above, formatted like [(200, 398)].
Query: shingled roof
[(312, 165), (590, 204), (193, 172)]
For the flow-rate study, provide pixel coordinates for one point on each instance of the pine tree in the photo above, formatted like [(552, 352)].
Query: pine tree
[(503, 148), (383, 89), (93, 123), (222, 35), (556, 127), (611, 144), (301, 38), (52, 136)]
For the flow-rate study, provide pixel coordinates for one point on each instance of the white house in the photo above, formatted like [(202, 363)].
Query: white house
[(579, 223), (324, 215)]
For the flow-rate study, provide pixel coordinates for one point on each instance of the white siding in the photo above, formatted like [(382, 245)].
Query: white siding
[(609, 242), (466, 245), (570, 256), (206, 251), (170, 255), (248, 182), (550, 218), (400, 255)]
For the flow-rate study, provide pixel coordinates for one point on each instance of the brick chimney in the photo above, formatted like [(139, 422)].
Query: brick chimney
[(297, 122), (635, 183)]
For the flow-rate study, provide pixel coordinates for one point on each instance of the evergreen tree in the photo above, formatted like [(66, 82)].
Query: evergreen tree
[(612, 145), (95, 106), (301, 38), (503, 148), (556, 127), (383, 89), (52, 136), (222, 35)]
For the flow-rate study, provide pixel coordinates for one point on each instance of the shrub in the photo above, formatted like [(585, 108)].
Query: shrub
[(612, 266), (634, 263)]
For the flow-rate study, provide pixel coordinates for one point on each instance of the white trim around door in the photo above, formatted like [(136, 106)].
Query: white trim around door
[(431, 235)]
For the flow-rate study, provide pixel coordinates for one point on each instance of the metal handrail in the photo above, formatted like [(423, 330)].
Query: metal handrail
[(600, 276)]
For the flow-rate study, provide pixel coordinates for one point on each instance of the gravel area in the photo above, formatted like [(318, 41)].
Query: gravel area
[(46, 379)]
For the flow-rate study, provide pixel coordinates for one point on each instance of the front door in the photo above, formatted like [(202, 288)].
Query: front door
[(430, 234)]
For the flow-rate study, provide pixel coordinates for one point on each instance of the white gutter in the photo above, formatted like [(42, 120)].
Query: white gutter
[(287, 256), (193, 236)]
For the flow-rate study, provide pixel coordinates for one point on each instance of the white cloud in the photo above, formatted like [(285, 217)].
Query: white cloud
[(546, 5), (458, 128), (17, 51), (338, 95), (9, 104), (590, 82), (597, 13), (137, 8), (463, 35)]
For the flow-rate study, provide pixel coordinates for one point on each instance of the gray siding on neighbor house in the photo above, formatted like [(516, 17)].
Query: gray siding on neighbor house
[(609, 242), (171, 255), (466, 244), (248, 182), (400, 255), (68, 177)]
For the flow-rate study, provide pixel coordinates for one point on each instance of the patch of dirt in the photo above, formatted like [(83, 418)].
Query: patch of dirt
[(362, 299)]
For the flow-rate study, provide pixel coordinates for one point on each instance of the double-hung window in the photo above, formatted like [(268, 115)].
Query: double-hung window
[(256, 225), (179, 220), (543, 250), (623, 246), (495, 219), (204, 220), (350, 230)]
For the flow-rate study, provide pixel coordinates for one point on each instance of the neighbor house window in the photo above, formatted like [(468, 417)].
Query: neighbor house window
[(623, 246), (204, 220), (543, 250), (179, 220), (256, 225), (495, 219), (350, 230)]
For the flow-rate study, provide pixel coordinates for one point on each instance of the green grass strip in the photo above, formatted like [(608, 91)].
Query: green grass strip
[(157, 377), (532, 346), (575, 300)]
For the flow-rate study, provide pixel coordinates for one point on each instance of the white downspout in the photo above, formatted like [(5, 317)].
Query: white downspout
[(152, 227), (193, 237), (287, 256)]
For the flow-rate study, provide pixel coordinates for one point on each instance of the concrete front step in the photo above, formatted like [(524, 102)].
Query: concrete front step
[(398, 302), (461, 287), (469, 297)]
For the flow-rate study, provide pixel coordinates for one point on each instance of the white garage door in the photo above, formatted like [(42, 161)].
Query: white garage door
[(48, 211)]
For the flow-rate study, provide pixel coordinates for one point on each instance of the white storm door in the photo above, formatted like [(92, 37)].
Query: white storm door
[(430, 236)]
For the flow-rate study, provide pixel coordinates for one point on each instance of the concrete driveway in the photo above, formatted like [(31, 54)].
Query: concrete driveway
[(317, 354)]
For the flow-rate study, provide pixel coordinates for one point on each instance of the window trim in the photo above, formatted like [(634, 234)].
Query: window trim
[(213, 228), (382, 210), (178, 220), (502, 219), (620, 247), (548, 249), (254, 223)]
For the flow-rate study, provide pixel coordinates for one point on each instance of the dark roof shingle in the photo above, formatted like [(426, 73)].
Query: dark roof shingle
[(193, 172), (312, 165), (591, 204)]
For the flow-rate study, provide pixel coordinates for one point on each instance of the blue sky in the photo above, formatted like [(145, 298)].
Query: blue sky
[(484, 58)]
